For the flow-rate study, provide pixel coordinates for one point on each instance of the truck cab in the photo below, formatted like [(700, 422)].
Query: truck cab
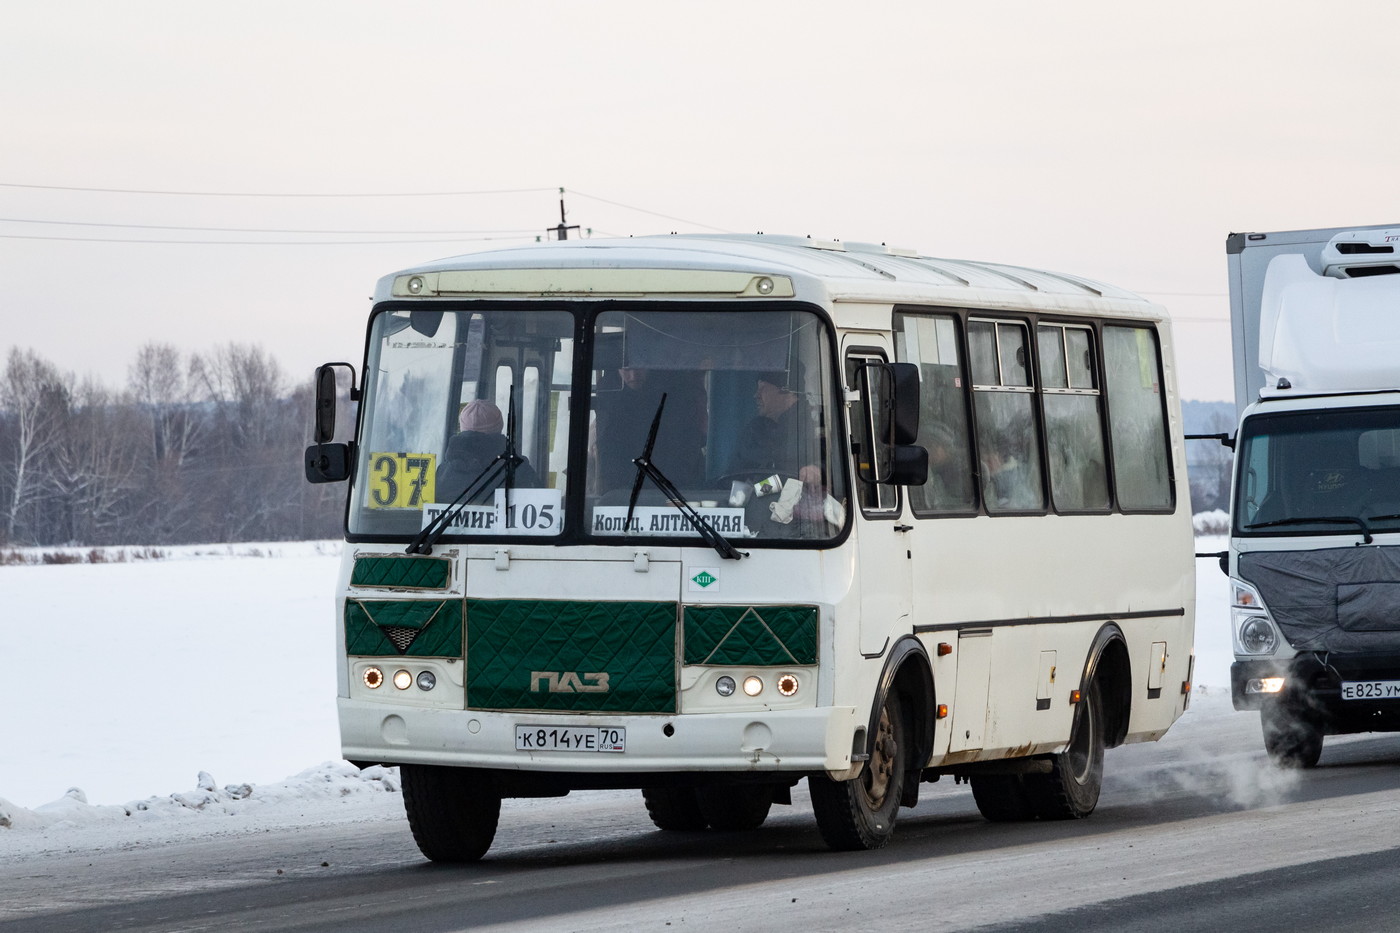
[(1314, 558)]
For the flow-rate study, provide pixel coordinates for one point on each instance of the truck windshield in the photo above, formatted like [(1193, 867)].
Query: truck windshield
[(744, 439), (1333, 472)]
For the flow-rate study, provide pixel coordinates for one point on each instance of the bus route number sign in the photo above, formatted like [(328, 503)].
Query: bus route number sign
[(400, 480)]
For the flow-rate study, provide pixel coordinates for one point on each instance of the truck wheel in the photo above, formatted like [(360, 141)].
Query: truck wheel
[(1070, 790), (452, 811), (860, 813), (1002, 798), (735, 808), (1292, 737), (674, 809)]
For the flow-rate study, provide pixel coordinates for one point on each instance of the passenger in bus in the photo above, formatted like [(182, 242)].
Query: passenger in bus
[(624, 418), (949, 479), (1008, 481), (781, 437), (470, 453)]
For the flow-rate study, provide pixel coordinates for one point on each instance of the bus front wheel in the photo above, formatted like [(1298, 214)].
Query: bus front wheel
[(860, 813), (452, 812)]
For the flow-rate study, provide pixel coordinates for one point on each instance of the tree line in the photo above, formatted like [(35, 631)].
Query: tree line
[(195, 448)]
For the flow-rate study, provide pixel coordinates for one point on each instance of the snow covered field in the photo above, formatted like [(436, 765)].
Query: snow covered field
[(200, 688)]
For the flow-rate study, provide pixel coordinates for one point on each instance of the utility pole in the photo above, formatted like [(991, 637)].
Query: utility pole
[(562, 231)]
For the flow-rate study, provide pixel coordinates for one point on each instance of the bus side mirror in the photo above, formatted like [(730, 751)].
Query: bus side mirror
[(327, 390), (905, 403), (328, 463), (908, 465)]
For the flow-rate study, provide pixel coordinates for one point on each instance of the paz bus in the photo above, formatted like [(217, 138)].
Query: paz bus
[(706, 516)]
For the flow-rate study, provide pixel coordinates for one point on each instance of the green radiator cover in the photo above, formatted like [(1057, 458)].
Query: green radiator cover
[(571, 655), (413, 573), (415, 628), (751, 636)]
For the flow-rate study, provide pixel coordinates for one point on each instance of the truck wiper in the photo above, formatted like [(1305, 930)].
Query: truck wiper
[(507, 460), (1319, 520), (648, 470)]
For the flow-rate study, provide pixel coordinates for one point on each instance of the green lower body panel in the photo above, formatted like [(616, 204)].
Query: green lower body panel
[(571, 656), (751, 636)]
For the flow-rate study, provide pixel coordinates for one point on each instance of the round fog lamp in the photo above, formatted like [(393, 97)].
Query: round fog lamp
[(427, 680), (403, 680), (725, 686), (787, 684), (753, 686), (373, 677)]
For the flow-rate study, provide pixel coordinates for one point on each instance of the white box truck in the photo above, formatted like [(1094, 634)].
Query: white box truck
[(1314, 557)]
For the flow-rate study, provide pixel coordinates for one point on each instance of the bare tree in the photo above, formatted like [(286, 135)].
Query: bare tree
[(35, 398), (93, 468), (158, 385)]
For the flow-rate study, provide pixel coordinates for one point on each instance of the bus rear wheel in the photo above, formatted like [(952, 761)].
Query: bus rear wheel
[(452, 812), (1070, 790), (735, 808), (674, 809), (1002, 798), (860, 813)]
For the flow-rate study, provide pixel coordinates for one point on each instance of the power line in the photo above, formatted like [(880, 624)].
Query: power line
[(93, 239), (266, 194), (642, 210), (90, 223)]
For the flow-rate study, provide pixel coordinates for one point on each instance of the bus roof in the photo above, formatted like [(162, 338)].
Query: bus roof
[(817, 269)]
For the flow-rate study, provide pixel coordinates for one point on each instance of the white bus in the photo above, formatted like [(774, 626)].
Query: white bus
[(709, 515)]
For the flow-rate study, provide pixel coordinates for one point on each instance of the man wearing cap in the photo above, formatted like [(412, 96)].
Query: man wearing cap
[(780, 435), (471, 452)]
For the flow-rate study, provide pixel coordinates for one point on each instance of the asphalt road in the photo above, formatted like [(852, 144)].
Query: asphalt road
[(1195, 832)]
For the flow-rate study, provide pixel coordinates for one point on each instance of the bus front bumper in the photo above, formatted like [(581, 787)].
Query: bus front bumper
[(793, 740)]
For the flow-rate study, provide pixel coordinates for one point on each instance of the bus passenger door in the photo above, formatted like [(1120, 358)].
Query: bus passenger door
[(885, 571)]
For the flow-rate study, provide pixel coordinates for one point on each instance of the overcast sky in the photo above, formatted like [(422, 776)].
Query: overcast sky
[(1122, 141)]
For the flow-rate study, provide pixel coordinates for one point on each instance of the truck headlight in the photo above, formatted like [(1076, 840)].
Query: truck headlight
[(1257, 635)]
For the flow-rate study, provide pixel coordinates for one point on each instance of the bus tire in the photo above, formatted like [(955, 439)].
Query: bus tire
[(674, 809), (452, 812), (1292, 737), (1070, 790), (860, 813), (1002, 798), (735, 808)]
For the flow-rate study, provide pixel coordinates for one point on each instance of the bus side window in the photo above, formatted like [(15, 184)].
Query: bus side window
[(1003, 400), (1136, 419), (1073, 418), (930, 341)]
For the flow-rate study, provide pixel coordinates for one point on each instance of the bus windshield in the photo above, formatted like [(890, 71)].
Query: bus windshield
[(468, 412), (1333, 472)]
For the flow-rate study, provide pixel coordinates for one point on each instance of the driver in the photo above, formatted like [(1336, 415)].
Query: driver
[(779, 438)]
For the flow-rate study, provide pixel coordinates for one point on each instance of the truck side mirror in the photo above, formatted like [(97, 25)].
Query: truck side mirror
[(908, 465)]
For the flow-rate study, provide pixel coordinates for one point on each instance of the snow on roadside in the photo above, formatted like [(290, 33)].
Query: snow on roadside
[(293, 590)]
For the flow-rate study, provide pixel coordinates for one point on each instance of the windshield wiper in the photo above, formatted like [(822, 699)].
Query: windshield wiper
[(507, 460), (648, 470), (1319, 520)]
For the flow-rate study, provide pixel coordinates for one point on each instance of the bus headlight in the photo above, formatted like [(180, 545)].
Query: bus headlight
[(427, 680), (403, 680), (725, 686), (373, 677), (753, 686)]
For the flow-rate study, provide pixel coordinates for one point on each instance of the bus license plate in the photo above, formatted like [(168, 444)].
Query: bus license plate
[(570, 739), (1371, 690)]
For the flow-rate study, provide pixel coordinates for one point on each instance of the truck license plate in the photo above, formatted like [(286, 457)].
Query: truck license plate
[(1371, 690), (570, 739)]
